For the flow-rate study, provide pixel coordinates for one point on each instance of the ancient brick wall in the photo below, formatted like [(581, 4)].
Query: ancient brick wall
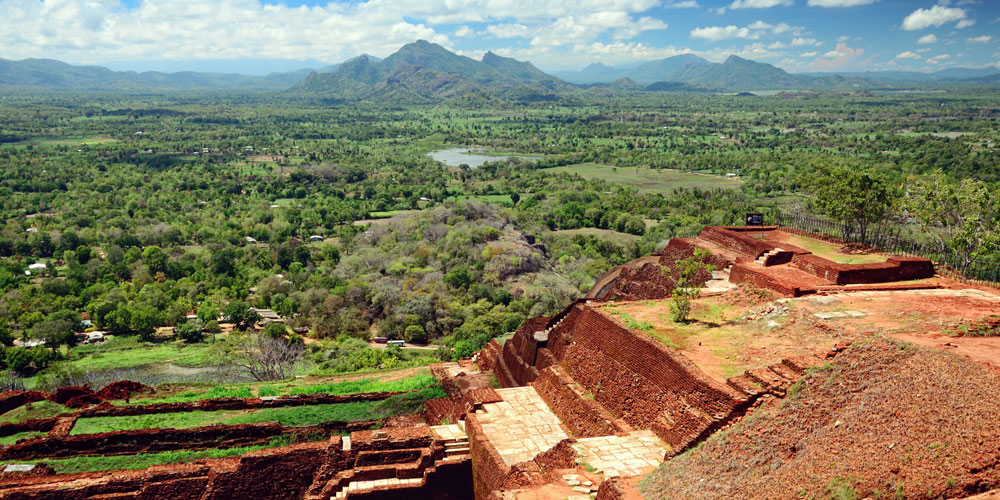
[(742, 273), (581, 414), (893, 269), (642, 381), (284, 473), (488, 468), (734, 239), (153, 440), (216, 404)]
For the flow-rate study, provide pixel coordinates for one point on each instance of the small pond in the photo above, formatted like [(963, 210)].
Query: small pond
[(458, 156)]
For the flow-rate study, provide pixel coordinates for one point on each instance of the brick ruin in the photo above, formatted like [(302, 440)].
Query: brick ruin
[(573, 385)]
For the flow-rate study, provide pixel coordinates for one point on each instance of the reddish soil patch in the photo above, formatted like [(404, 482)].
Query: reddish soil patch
[(882, 418)]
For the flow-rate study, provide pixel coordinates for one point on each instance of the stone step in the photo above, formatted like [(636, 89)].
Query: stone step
[(369, 485), (745, 385), (785, 371)]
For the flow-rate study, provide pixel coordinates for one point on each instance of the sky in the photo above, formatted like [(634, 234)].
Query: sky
[(256, 37)]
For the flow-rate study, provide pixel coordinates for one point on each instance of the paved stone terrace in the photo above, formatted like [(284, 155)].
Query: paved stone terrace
[(622, 456), (450, 432), (521, 426)]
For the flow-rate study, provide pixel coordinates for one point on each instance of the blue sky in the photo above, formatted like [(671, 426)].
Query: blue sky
[(798, 35)]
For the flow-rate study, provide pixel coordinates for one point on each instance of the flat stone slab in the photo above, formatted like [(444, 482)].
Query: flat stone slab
[(19, 468), (521, 426), (449, 432), (622, 456), (840, 314)]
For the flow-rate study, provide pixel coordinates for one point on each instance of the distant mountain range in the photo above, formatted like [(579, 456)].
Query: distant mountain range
[(741, 74), (423, 72), (52, 74)]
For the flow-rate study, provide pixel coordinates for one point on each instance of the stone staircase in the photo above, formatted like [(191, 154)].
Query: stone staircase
[(763, 258), (355, 486), (456, 441), (774, 379)]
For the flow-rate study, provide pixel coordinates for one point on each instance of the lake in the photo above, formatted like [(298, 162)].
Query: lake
[(458, 156)]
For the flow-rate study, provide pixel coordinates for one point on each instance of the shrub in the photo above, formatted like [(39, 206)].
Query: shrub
[(415, 334), (190, 332)]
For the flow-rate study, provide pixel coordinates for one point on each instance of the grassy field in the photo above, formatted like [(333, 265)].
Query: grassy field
[(144, 460), (38, 409), (13, 438), (831, 251), (293, 416), (419, 381), (128, 353), (649, 180)]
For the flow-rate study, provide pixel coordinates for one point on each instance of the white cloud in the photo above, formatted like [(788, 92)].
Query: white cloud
[(760, 25), (907, 55), (102, 31), (929, 38), (755, 51), (839, 3), (716, 33), (783, 27), (799, 42), (776, 45), (840, 58), (941, 57), (759, 4), (980, 39), (688, 4), (507, 30), (808, 54), (965, 23), (843, 38), (935, 16), (634, 29), (921, 51)]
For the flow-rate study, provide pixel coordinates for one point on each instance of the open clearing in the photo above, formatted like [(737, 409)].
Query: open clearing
[(719, 340), (648, 180)]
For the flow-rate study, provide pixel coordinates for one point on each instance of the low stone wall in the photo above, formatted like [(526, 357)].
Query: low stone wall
[(291, 472), (743, 273), (154, 440), (108, 410), (893, 269), (734, 239)]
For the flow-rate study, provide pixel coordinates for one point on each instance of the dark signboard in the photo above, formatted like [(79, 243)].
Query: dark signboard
[(755, 219)]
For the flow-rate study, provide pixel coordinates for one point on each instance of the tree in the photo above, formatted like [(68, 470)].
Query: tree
[(274, 330), (53, 332), (458, 277), (260, 357), (208, 312), (155, 259), (241, 315), (686, 271), (415, 334), (212, 327), (144, 320), (190, 332), (6, 337), (960, 217), (855, 196)]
